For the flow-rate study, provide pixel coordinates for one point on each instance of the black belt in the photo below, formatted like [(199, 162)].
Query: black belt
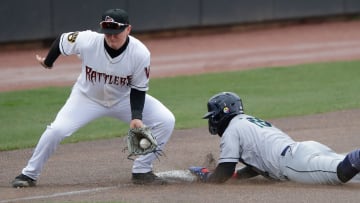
[(285, 150)]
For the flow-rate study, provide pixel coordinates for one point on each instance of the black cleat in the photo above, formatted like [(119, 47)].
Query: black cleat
[(148, 178), (23, 181)]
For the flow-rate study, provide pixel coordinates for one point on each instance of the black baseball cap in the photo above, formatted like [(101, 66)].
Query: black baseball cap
[(114, 21)]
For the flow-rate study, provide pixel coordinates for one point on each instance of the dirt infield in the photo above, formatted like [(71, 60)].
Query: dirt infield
[(99, 171)]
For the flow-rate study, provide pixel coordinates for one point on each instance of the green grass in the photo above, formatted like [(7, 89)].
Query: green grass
[(267, 93)]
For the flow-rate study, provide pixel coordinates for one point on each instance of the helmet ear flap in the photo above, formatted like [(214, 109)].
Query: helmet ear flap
[(212, 116), (212, 127)]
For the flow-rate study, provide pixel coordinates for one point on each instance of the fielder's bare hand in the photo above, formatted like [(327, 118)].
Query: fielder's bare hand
[(41, 60), (136, 123)]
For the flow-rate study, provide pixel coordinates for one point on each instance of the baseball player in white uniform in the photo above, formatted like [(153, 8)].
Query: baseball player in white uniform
[(266, 150), (113, 82)]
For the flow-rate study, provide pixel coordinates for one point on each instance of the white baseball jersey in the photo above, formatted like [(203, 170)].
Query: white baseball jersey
[(258, 143), (104, 79), (103, 89)]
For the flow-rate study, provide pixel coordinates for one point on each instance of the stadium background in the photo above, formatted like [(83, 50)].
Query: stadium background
[(100, 177), (45, 19)]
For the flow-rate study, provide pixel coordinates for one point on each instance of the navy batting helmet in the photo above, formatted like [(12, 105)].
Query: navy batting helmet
[(222, 107)]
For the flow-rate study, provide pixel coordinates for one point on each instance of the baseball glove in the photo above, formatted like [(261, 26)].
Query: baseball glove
[(135, 136)]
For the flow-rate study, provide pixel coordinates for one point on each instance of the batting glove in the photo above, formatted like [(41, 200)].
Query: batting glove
[(201, 172)]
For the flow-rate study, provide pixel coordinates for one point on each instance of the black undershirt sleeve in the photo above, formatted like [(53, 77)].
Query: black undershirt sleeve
[(246, 172), (137, 100), (53, 53), (222, 173)]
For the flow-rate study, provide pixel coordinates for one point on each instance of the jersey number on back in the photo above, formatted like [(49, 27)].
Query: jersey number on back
[(259, 122)]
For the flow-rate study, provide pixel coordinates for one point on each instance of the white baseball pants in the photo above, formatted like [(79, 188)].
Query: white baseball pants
[(79, 110)]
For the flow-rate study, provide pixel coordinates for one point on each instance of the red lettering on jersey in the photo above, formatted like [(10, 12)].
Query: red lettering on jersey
[(123, 81), (88, 72), (116, 80), (111, 80), (94, 76), (129, 79), (99, 76), (106, 78), (147, 72)]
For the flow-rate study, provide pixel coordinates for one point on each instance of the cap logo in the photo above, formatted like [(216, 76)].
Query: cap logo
[(226, 109), (109, 19)]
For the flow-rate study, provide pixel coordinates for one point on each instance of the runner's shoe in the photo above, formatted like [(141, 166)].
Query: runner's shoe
[(354, 158), (349, 167)]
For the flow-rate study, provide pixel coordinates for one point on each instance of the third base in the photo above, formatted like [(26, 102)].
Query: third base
[(178, 176)]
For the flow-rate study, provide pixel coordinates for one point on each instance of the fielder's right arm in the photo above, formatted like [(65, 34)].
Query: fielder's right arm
[(52, 55)]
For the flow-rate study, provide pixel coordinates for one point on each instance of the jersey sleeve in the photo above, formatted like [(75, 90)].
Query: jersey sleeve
[(230, 146), (140, 80), (71, 42)]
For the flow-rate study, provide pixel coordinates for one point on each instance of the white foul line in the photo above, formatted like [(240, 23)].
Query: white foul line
[(174, 176), (59, 194)]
